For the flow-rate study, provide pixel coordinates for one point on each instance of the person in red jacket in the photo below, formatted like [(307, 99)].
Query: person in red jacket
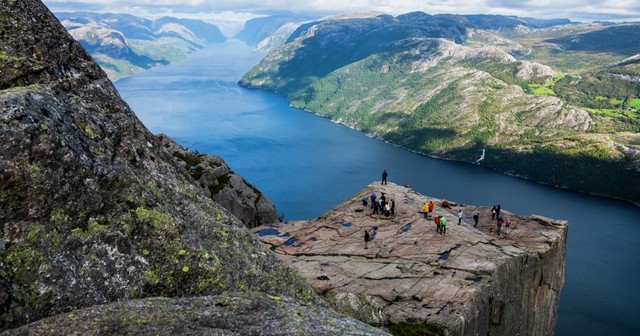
[(431, 205)]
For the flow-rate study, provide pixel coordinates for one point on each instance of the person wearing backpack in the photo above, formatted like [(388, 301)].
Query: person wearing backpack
[(373, 198), (364, 200), (499, 227), (443, 225)]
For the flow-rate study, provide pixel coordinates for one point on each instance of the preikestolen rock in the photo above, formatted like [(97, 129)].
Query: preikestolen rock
[(468, 281)]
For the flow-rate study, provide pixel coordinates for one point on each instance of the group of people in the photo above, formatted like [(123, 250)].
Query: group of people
[(495, 215), (380, 205)]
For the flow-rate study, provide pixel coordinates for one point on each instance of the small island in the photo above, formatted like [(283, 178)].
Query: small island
[(467, 281)]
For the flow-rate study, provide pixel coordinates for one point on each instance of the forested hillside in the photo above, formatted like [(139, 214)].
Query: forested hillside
[(458, 87)]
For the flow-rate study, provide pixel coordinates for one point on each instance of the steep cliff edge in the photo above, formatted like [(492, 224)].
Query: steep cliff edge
[(468, 281), (94, 209)]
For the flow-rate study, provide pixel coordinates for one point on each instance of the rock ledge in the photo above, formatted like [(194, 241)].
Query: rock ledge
[(469, 280)]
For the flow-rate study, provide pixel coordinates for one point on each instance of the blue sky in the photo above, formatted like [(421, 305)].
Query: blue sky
[(235, 12)]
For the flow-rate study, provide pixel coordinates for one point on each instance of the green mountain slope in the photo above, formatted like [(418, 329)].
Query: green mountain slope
[(432, 85)]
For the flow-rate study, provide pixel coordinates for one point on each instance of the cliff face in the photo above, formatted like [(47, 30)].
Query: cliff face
[(95, 209), (468, 281)]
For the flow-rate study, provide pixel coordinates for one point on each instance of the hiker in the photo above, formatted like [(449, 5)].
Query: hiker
[(384, 177), (393, 207), (376, 208), (431, 205), (445, 204), (383, 199), (373, 198), (425, 210), (460, 217), (507, 225), (364, 200), (497, 210), (475, 219), (493, 213), (443, 225), (387, 209), (367, 237), (499, 223), (437, 221)]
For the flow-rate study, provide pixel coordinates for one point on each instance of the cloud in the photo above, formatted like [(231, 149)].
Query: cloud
[(577, 10)]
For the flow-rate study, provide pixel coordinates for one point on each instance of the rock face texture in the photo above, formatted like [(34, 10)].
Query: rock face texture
[(95, 209), (225, 187), (241, 314), (469, 280)]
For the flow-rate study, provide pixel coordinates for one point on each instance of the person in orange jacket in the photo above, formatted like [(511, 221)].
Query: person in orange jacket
[(431, 205)]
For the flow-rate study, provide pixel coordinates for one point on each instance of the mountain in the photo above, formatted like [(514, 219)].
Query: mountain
[(269, 32), (497, 91), (124, 44), (100, 218)]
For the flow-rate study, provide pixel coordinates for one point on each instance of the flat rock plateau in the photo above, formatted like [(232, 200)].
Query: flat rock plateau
[(468, 281)]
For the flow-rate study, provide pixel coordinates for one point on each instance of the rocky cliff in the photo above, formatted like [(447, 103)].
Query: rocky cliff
[(95, 209), (468, 281)]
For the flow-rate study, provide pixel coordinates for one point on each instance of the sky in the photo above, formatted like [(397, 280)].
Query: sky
[(230, 15)]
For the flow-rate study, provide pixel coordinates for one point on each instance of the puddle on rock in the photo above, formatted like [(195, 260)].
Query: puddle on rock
[(268, 232)]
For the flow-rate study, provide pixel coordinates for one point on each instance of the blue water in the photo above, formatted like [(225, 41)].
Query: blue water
[(308, 164)]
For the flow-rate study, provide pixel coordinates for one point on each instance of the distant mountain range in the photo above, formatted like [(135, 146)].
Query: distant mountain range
[(266, 33), (124, 44), (548, 100)]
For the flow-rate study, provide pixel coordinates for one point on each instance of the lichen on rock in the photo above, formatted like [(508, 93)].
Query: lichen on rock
[(93, 208)]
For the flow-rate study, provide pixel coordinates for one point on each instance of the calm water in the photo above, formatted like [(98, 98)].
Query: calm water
[(308, 164)]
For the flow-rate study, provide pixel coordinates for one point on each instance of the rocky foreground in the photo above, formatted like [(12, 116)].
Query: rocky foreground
[(468, 281)]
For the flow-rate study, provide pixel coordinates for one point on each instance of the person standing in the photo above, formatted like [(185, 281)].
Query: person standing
[(493, 213), (476, 217), (376, 207), (460, 216), (437, 221), (507, 225), (499, 227), (425, 210), (384, 177), (498, 211), (373, 199), (367, 237), (393, 207), (431, 205), (443, 225)]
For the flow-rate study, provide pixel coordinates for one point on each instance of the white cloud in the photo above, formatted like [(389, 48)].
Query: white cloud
[(238, 10)]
